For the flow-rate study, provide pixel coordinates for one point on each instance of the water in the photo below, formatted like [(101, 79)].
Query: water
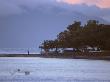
[(53, 70)]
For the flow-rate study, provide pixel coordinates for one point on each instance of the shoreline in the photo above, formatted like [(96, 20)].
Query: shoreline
[(57, 56)]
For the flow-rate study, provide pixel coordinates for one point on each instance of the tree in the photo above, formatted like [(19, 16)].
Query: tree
[(76, 36)]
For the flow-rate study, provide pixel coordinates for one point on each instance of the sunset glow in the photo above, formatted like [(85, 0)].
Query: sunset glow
[(99, 3)]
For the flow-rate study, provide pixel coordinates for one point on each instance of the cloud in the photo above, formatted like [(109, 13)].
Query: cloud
[(8, 7), (104, 4), (99, 3), (70, 1)]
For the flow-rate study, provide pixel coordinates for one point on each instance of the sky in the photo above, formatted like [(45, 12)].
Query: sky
[(99, 3), (8, 7), (25, 24)]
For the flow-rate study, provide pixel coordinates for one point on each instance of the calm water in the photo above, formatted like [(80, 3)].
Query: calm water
[(53, 70)]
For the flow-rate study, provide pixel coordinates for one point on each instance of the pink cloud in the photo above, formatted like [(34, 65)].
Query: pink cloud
[(72, 1), (99, 3), (104, 4)]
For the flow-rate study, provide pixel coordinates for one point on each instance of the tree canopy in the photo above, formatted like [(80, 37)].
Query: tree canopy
[(76, 36)]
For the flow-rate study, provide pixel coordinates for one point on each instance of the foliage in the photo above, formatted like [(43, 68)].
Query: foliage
[(76, 36)]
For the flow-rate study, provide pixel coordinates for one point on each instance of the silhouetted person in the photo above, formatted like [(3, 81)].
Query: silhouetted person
[(28, 52)]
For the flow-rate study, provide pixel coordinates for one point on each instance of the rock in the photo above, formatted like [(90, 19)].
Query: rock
[(18, 70)]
